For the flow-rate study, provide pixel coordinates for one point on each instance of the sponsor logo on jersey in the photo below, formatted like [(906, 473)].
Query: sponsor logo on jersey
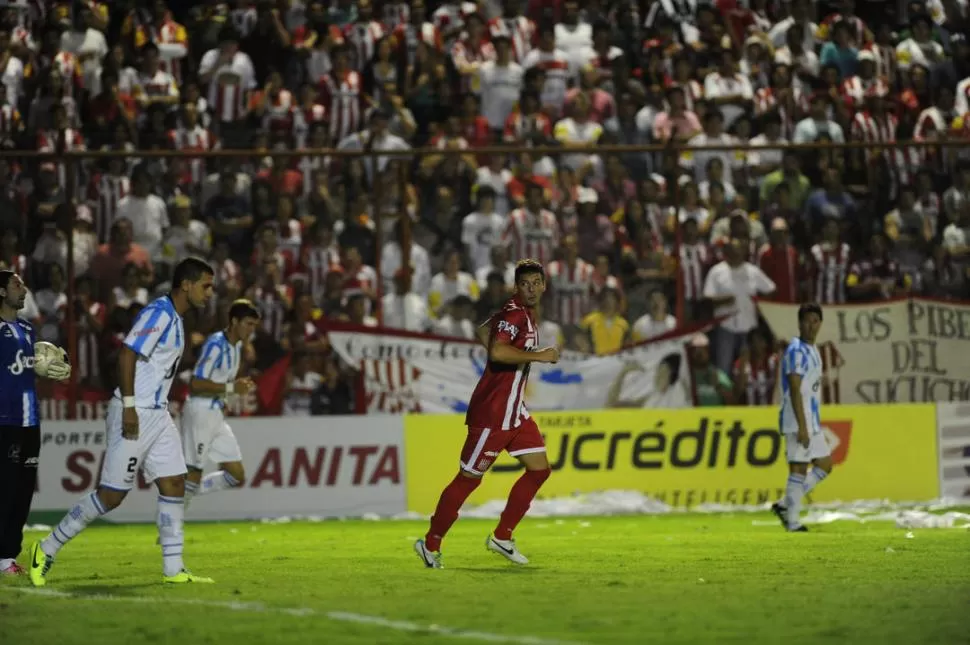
[(506, 326), (148, 332), (21, 363)]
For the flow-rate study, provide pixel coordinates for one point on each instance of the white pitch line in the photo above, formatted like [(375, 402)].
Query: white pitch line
[(337, 616)]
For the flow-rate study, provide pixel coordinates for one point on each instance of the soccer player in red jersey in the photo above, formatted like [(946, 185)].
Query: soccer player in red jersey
[(497, 420)]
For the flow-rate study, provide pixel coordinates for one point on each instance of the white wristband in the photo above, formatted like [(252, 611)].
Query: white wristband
[(230, 388), (128, 401)]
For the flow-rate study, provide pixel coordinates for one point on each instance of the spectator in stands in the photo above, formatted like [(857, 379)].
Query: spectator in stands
[(604, 330), (732, 286), (756, 371), (657, 322), (455, 320), (107, 267), (404, 309), (301, 383), (712, 386), (333, 396)]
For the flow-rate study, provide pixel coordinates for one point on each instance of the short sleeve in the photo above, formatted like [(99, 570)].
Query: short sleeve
[(211, 356), (795, 362), (148, 330), (507, 325)]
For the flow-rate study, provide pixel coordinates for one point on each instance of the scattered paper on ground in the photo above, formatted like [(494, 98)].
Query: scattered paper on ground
[(906, 515)]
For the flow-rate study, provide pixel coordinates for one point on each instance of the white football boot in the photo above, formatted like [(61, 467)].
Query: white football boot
[(431, 559), (506, 549)]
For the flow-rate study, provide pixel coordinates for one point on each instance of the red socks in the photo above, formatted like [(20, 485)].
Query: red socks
[(520, 498), (453, 496)]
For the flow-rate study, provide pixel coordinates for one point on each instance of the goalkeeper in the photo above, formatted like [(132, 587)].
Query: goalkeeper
[(19, 419)]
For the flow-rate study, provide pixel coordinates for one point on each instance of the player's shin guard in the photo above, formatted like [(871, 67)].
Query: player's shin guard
[(219, 480), (520, 498), (794, 491), (87, 509), (452, 498), (814, 478), (171, 515)]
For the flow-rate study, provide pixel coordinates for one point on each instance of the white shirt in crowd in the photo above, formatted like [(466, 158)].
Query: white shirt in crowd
[(149, 219), (743, 282), (954, 238), (451, 328), (646, 327), (570, 131), (408, 312), (559, 72), (13, 79), (420, 264), (297, 401), (550, 333), (573, 40), (499, 88), (182, 241), (444, 290), (91, 42), (509, 272), (808, 130), (717, 86), (479, 233), (52, 305), (499, 182)]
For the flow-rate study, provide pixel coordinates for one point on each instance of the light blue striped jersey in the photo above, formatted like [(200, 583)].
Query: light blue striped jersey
[(18, 383), (218, 362), (803, 359), (159, 339)]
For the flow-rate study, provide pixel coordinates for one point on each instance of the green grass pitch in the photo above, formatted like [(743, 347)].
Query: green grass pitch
[(667, 579)]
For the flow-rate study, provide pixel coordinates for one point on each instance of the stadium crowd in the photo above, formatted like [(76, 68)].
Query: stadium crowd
[(311, 238)]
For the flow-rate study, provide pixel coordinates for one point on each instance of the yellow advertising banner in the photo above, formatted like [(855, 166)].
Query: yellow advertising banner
[(692, 456)]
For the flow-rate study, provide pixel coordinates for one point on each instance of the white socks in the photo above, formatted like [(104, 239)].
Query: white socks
[(794, 491), (171, 517), (219, 480), (814, 478), (6, 563), (87, 509)]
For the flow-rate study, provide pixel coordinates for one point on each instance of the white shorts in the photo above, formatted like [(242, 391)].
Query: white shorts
[(157, 450), (207, 436), (796, 453)]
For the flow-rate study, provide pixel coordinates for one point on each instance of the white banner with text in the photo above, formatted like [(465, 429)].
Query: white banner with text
[(346, 466), (900, 351)]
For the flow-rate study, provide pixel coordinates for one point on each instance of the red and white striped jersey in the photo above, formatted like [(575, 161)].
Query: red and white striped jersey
[(88, 358), (572, 289), (390, 387), (70, 69), (761, 376), (10, 121), (106, 191), (449, 18), (273, 311), (343, 99), (695, 260), (532, 235), (855, 88), (518, 126), (766, 100), (67, 140), (498, 401), (363, 36), (229, 89), (870, 128), (408, 35), (830, 265), (832, 362), (172, 41), (196, 139), (520, 30), (316, 262)]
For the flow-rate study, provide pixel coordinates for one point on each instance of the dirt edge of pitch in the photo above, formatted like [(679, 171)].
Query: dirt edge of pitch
[(336, 616)]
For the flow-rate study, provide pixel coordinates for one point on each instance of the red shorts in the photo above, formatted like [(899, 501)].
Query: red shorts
[(483, 445)]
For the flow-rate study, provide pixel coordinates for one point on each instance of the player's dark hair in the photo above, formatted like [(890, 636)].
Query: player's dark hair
[(241, 309), (191, 269), (527, 267), (809, 308), (5, 277)]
